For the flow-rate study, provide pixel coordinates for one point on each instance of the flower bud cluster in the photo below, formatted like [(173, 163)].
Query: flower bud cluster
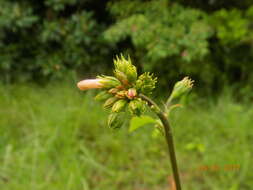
[(146, 83), (121, 90)]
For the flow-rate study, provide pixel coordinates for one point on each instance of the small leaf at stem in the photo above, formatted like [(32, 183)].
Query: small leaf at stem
[(137, 122)]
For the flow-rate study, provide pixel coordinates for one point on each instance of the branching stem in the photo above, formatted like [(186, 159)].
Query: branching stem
[(168, 135)]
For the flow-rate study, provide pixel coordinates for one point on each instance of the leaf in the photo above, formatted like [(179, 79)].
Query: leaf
[(173, 107), (190, 146), (137, 122), (196, 147), (155, 133)]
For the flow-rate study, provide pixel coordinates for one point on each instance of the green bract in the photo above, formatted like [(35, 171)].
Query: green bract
[(137, 107), (115, 120), (108, 81), (125, 70), (119, 105), (121, 76), (181, 87), (146, 83), (102, 96), (109, 102)]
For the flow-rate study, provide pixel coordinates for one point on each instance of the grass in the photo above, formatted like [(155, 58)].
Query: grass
[(55, 138)]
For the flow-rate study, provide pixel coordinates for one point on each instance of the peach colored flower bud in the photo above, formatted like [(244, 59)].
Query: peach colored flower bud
[(131, 93), (89, 84)]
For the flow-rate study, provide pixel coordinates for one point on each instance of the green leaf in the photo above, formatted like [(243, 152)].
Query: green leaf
[(155, 133), (137, 122)]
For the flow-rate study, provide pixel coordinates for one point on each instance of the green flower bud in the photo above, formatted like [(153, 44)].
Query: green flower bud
[(137, 107), (109, 102), (122, 77), (181, 87), (113, 90), (125, 66), (120, 64), (108, 81), (102, 96), (146, 83), (121, 94), (119, 105), (131, 74), (114, 121)]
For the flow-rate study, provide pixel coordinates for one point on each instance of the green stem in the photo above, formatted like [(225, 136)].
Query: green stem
[(168, 101), (169, 137)]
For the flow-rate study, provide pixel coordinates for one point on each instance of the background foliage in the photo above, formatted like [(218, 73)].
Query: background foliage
[(54, 137), (48, 39), (59, 141)]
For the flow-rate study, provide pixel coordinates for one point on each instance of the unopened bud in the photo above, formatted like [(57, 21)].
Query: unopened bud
[(122, 77), (102, 96), (109, 102), (109, 82), (146, 83), (89, 84), (113, 90), (119, 105), (137, 107), (131, 93), (125, 66), (181, 87), (121, 94), (131, 74), (114, 121)]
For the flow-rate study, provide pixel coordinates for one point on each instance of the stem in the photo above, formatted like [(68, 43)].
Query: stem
[(169, 138), (168, 102)]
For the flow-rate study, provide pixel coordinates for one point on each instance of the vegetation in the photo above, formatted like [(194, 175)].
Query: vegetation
[(55, 138), (212, 42)]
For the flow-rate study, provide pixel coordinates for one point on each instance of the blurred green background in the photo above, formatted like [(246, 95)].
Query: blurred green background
[(55, 137)]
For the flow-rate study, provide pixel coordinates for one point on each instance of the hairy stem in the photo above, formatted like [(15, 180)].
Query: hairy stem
[(168, 135)]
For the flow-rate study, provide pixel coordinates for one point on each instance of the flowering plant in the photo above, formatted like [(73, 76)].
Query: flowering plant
[(126, 91)]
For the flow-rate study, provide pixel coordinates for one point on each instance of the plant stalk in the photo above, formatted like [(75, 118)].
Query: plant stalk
[(168, 136)]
